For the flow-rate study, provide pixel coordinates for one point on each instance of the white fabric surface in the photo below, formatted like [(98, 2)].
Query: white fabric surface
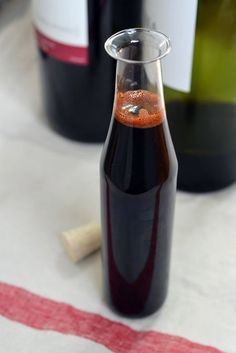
[(49, 184)]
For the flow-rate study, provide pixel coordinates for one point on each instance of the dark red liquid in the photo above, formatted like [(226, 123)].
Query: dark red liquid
[(138, 180)]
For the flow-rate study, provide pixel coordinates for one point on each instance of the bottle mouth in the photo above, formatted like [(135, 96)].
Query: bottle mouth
[(138, 45)]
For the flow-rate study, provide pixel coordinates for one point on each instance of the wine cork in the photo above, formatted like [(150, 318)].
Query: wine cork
[(80, 242)]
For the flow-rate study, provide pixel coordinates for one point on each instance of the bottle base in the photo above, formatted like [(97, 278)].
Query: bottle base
[(198, 189), (200, 174), (141, 315), (150, 309), (204, 138)]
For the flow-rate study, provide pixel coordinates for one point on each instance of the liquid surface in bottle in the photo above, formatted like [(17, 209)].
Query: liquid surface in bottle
[(138, 172)]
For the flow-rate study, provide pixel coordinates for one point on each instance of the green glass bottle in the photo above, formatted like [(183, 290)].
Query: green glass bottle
[(203, 120)]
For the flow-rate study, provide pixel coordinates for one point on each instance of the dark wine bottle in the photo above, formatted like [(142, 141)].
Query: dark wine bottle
[(77, 75), (200, 91)]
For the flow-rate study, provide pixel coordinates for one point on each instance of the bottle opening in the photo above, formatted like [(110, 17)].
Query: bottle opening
[(138, 45)]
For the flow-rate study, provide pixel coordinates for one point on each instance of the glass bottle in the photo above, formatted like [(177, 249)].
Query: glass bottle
[(70, 36), (202, 114), (138, 178)]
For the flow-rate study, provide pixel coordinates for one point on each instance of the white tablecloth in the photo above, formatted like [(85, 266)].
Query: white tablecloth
[(49, 184)]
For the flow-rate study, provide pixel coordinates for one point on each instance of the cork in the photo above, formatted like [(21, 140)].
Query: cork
[(82, 241)]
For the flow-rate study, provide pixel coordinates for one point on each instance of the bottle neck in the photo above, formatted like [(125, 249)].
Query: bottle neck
[(142, 76), (139, 100)]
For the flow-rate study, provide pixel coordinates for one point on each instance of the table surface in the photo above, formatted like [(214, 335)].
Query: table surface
[(50, 184)]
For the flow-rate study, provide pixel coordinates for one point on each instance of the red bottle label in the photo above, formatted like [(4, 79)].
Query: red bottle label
[(62, 29), (63, 52)]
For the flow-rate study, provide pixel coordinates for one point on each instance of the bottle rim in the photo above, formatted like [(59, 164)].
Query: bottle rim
[(155, 45)]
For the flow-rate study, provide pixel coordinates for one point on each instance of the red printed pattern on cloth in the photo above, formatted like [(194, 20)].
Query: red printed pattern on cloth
[(41, 313)]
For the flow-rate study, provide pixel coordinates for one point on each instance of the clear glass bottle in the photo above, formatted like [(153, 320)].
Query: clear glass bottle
[(138, 178)]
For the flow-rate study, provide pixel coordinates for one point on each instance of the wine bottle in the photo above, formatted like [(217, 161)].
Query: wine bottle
[(77, 75), (138, 173), (200, 92)]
